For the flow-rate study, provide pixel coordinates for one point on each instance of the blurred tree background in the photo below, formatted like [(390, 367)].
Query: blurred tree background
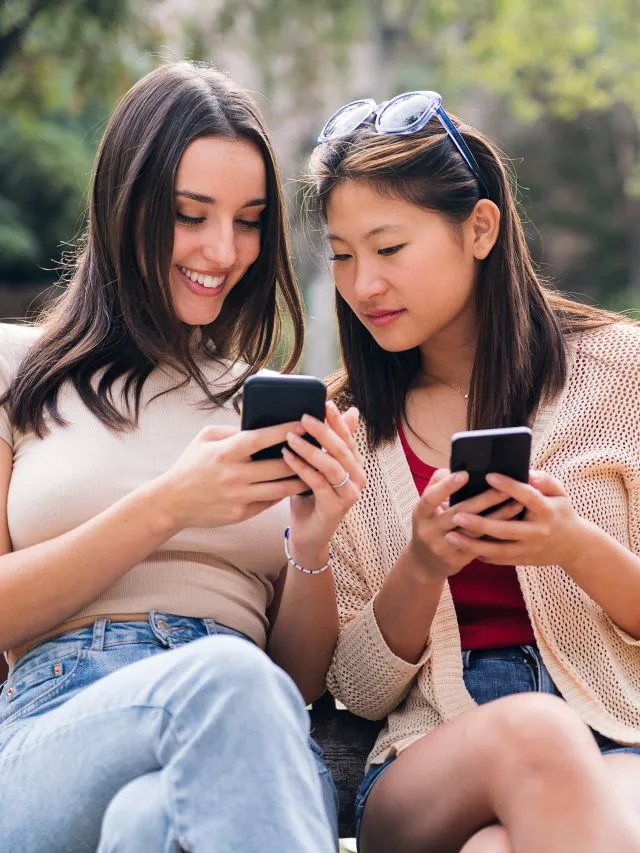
[(556, 82)]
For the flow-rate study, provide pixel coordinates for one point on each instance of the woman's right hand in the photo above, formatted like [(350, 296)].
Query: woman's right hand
[(432, 520), (215, 481)]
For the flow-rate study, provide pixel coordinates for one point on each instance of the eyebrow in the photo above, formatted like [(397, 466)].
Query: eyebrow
[(369, 234), (207, 199)]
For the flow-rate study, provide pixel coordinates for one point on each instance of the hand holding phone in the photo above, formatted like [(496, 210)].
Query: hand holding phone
[(270, 399), (489, 451), (475, 454)]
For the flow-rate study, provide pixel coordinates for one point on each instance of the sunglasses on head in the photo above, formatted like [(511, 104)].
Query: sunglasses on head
[(402, 115)]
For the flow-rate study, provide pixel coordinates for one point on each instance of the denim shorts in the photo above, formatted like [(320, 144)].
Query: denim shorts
[(492, 674)]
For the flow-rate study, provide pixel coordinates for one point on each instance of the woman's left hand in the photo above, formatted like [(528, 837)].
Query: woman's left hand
[(333, 472), (549, 533)]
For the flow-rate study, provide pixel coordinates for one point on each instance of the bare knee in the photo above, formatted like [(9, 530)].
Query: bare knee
[(536, 735), (491, 839)]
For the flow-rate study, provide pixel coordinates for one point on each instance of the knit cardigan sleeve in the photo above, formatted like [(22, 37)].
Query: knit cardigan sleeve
[(634, 542), (365, 674)]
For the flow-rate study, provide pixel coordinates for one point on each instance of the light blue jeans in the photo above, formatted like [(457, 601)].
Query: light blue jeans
[(155, 737)]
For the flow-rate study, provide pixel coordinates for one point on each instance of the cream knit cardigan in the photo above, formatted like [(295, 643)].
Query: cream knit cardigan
[(589, 438)]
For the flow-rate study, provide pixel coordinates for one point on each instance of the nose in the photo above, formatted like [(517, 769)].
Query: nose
[(219, 248), (368, 281)]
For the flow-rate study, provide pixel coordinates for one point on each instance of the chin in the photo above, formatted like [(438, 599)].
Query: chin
[(196, 316), (397, 343)]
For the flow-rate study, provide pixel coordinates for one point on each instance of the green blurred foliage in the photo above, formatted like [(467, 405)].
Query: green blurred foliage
[(62, 66), (557, 82), (44, 170)]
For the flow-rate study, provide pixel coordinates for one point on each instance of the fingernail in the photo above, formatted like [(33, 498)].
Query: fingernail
[(292, 438), (309, 419), (299, 429), (332, 406), (493, 479), (453, 539), (460, 519), (460, 477)]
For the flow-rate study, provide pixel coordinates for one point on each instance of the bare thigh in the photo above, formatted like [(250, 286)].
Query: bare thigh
[(625, 769), (491, 839), (465, 775)]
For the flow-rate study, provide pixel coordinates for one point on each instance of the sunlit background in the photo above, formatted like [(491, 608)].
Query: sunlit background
[(556, 82)]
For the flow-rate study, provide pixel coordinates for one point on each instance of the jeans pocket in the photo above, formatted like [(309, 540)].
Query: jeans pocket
[(31, 686)]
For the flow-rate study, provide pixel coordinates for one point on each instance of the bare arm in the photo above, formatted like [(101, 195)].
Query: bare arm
[(44, 585), (213, 483), (384, 639), (305, 629), (408, 600), (406, 604)]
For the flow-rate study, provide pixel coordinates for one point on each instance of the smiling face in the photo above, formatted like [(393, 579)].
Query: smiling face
[(404, 271), (220, 196)]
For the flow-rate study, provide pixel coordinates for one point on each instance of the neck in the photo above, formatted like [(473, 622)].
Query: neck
[(448, 360)]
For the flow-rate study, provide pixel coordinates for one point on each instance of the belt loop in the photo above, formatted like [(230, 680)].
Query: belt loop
[(532, 655), (99, 627), (210, 626), (466, 658)]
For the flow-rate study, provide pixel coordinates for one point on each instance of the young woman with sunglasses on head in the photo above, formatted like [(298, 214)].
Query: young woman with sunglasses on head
[(503, 652), (141, 575)]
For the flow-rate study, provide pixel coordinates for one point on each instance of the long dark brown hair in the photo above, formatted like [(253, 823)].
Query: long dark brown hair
[(116, 314), (521, 356)]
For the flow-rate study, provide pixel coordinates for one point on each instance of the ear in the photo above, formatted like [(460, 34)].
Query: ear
[(486, 227)]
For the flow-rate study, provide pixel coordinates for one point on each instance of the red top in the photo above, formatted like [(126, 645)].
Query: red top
[(488, 600)]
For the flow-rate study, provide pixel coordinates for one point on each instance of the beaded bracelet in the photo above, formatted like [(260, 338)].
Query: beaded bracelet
[(297, 565)]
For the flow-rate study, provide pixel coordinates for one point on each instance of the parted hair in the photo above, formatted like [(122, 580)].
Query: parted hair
[(115, 315), (521, 356)]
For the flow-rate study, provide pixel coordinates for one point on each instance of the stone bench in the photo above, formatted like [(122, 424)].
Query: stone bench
[(346, 740)]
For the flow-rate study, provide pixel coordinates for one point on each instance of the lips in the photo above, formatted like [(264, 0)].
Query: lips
[(383, 318), (208, 280), (192, 281)]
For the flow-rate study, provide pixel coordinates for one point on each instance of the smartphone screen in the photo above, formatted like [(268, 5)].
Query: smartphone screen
[(489, 451), (270, 399)]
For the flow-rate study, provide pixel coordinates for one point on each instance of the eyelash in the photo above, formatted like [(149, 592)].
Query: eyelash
[(189, 220), (391, 250), (386, 252), (192, 221)]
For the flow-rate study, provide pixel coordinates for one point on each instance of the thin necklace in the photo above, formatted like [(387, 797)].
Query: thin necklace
[(449, 385)]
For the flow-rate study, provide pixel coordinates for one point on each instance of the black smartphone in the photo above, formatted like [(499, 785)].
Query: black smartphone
[(489, 451), (269, 399)]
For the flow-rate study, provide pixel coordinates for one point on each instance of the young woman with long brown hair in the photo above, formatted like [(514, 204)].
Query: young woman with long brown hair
[(142, 549), (503, 652)]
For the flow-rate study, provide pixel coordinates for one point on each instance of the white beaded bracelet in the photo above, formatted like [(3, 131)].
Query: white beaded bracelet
[(297, 565)]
